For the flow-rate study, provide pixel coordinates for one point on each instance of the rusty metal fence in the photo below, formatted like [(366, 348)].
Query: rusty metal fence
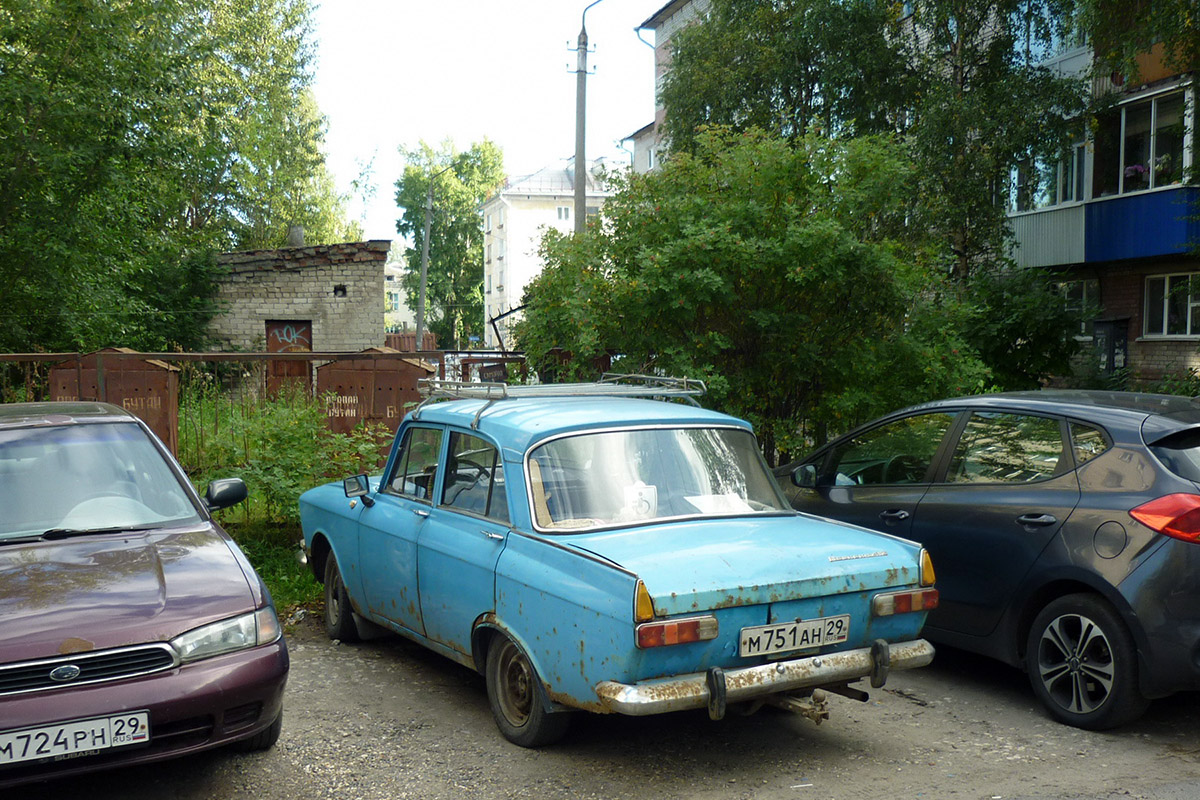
[(375, 386)]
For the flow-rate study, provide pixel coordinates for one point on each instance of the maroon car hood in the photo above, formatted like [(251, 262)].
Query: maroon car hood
[(96, 592)]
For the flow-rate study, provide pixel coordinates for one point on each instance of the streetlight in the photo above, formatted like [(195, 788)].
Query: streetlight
[(580, 116), (418, 346)]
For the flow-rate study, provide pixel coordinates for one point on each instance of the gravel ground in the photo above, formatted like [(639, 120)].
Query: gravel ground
[(388, 719)]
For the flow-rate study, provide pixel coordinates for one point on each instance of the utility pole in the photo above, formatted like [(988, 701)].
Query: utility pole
[(581, 170), (419, 345)]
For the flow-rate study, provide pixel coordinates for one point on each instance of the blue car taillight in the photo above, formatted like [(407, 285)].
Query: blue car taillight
[(885, 605)]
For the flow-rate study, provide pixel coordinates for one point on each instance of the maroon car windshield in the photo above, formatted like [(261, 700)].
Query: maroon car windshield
[(85, 477)]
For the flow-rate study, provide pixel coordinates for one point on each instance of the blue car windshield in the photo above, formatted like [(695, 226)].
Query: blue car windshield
[(635, 476), (84, 477)]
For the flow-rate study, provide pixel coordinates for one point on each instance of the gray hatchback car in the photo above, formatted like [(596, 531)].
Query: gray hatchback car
[(1065, 526)]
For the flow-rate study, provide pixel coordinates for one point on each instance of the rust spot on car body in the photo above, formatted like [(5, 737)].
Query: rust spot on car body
[(74, 645), (596, 707)]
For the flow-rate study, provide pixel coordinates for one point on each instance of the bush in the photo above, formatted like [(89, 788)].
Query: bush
[(280, 446)]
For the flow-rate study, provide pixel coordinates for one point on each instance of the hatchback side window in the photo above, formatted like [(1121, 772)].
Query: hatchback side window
[(417, 463), (474, 478), (899, 452), (1088, 442), (1007, 448)]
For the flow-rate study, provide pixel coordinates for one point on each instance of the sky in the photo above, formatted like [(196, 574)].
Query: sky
[(391, 73)]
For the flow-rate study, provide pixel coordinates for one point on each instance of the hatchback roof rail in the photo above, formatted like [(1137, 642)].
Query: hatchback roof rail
[(610, 385)]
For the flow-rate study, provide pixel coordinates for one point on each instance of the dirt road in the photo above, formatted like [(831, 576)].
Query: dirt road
[(390, 720)]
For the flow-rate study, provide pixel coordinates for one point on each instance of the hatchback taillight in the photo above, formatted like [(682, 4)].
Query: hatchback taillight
[(1176, 515)]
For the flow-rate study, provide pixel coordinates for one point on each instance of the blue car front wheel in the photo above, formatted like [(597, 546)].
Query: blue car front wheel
[(339, 622)]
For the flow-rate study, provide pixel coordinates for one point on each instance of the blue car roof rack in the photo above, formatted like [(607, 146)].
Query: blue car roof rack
[(610, 385)]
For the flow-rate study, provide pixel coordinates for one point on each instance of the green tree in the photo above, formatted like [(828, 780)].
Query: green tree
[(136, 139), (781, 273), (461, 181), (957, 78), (957, 81), (983, 105), (790, 66), (256, 161), (1123, 30)]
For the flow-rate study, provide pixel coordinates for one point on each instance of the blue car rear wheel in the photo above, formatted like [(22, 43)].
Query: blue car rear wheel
[(515, 699)]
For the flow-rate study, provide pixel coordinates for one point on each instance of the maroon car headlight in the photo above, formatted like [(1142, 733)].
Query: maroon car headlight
[(228, 635)]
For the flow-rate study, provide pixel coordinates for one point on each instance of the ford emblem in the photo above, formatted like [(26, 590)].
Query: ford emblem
[(67, 672)]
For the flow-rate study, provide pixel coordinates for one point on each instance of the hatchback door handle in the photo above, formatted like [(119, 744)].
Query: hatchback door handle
[(894, 515), (420, 512), (1036, 520)]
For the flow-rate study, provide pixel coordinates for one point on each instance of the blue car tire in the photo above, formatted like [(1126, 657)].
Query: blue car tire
[(339, 620), (515, 699)]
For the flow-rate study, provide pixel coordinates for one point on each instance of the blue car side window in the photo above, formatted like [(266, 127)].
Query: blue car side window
[(475, 478), (416, 464)]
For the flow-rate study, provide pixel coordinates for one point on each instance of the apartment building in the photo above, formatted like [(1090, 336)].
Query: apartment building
[(514, 220), (1119, 217), (647, 141)]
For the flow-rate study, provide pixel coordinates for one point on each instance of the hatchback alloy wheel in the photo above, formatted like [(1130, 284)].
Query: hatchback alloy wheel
[(1082, 663), (1075, 663)]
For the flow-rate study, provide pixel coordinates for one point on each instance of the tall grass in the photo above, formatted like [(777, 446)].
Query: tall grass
[(280, 446)]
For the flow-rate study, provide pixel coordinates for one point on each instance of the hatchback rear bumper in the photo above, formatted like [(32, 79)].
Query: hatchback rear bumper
[(747, 683)]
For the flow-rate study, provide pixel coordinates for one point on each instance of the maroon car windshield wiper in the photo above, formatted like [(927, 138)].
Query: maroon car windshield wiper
[(67, 533)]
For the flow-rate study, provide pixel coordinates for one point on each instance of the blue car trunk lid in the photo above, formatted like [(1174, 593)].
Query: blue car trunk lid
[(705, 565)]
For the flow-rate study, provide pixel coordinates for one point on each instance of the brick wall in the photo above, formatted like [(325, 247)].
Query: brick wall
[(1122, 288), (336, 287)]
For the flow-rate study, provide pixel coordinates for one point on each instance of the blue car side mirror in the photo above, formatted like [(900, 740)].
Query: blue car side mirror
[(358, 486)]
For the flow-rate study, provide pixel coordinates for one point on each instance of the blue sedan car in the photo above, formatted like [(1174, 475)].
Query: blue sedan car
[(584, 547)]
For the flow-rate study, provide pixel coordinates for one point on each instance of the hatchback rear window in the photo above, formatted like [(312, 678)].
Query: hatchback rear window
[(1180, 453)]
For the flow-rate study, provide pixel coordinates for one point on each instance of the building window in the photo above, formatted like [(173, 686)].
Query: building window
[(500, 248), (500, 217), (487, 259), (650, 158), (1173, 305), (1140, 146), (1083, 297), (500, 279), (1037, 184), (593, 210), (489, 285), (564, 212), (487, 223), (393, 301)]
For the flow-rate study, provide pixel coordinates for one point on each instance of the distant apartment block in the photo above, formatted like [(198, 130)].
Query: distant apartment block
[(647, 141), (514, 219)]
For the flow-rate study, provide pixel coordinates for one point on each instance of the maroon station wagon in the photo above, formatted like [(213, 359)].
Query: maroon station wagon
[(132, 628)]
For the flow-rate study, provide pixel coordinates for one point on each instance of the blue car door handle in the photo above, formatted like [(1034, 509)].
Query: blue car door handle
[(420, 512), (1036, 520), (492, 535), (894, 515)]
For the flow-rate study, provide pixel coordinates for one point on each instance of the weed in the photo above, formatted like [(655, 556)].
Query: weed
[(280, 446)]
